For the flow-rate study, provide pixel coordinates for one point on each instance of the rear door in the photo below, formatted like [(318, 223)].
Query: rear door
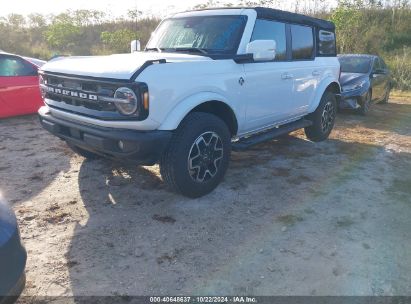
[(19, 88), (387, 77), (304, 69), (377, 80)]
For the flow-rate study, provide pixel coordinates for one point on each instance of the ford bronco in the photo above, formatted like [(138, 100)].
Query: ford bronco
[(208, 81)]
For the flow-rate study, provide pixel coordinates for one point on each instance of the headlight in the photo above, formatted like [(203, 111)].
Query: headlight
[(354, 86), (130, 104)]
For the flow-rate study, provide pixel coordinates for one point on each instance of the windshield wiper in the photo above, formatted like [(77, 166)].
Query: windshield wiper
[(189, 49), (153, 49)]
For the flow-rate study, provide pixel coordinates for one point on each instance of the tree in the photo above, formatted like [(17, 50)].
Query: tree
[(346, 18), (119, 41), (16, 21), (63, 35), (36, 20)]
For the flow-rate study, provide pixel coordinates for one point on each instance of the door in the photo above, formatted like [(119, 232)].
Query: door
[(268, 85), (19, 87), (305, 69), (387, 78), (377, 80)]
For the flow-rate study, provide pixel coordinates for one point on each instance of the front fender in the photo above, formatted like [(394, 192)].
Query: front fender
[(177, 114), (324, 84)]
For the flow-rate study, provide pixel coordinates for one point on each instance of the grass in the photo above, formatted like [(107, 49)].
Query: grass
[(401, 95)]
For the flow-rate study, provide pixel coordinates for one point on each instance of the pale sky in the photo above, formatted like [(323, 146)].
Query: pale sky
[(115, 8)]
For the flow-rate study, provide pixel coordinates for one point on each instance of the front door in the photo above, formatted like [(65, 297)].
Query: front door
[(268, 85)]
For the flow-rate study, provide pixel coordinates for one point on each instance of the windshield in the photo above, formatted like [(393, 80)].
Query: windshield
[(355, 64), (208, 34)]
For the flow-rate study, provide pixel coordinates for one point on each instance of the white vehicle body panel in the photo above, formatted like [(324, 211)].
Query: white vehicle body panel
[(182, 87), (119, 66)]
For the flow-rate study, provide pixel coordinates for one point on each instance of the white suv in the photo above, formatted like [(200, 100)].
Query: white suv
[(209, 81)]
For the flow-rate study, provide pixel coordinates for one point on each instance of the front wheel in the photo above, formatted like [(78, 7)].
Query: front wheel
[(197, 156), (365, 107), (323, 118)]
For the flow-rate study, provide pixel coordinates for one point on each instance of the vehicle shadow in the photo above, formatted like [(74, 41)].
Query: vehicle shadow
[(141, 239), (30, 158)]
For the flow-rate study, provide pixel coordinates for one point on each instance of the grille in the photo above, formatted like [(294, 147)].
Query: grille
[(78, 92)]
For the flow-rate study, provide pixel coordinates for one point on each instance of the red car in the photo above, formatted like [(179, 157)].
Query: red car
[(19, 85)]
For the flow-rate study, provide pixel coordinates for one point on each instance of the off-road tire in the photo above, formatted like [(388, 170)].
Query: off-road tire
[(177, 158), (365, 107), (86, 154), (316, 132)]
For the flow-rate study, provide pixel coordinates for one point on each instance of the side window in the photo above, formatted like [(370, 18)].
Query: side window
[(12, 66), (302, 42), (383, 65), (376, 66), (326, 43), (271, 30)]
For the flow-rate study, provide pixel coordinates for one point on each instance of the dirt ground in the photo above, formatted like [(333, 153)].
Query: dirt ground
[(291, 217)]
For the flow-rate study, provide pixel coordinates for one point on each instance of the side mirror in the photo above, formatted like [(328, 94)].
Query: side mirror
[(262, 50), (135, 46)]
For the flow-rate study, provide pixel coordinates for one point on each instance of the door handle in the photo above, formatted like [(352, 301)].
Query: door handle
[(287, 76), (316, 73)]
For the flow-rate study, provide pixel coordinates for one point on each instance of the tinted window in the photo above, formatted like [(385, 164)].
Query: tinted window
[(355, 64), (302, 42), (271, 30), (326, 43), (382, 64), (376, 65), (13, 66)]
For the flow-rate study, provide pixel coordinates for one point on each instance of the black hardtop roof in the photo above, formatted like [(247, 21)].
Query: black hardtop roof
[(271, 13), (276, 14)]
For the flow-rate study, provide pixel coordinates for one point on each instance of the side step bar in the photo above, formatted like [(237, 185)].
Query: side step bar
[(258, 138)]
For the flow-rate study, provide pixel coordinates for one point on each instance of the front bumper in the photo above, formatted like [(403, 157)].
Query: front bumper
[(353, 99), (140, 147)]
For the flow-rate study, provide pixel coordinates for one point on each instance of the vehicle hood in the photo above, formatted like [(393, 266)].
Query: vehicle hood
[(347, 78), (119, 66), (37, 62)]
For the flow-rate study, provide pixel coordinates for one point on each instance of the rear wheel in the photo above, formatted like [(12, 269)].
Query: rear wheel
[(386, 96), (86, 154), (365, 107), (323, 118), (197, 156)]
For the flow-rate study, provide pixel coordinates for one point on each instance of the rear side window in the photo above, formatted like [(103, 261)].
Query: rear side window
[(382, 64), (376, 65), (272, 30), (13, 66), (326, 43), (302, 42)]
